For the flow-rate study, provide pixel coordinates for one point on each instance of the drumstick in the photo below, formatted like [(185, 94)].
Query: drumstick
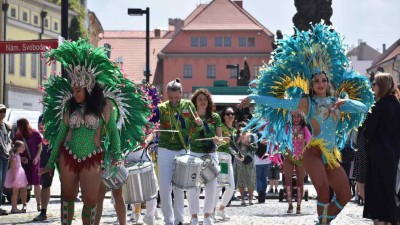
[(173, 131), (207, 139), (192, 112)]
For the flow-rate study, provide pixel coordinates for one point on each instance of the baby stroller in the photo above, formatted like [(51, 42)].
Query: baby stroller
[(282, 191)]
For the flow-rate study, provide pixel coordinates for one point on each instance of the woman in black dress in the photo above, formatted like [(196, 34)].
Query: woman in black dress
[(360, 162), (382, 134)]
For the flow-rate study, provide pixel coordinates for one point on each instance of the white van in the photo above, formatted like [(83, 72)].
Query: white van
[(12, 115)]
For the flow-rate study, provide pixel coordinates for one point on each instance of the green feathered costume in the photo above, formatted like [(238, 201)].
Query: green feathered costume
[(128, 105)]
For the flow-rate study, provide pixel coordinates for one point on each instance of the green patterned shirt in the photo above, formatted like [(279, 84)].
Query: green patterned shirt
[(227, 132), (175, 118), (209, 130)]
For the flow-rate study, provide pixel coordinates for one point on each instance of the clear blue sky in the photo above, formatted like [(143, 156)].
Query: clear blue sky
[(374, 21)]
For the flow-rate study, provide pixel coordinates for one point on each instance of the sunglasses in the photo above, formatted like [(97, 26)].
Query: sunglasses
[(3, 111), (373, 84), (229, 114)]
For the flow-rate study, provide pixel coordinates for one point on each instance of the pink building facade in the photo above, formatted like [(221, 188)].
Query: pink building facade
[(210, 40)]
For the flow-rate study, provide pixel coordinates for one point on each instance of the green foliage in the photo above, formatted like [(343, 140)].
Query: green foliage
[(77, 28)]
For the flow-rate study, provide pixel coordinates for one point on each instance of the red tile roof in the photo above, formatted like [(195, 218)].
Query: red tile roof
[(224, 15), (130, 45), (121, 34)]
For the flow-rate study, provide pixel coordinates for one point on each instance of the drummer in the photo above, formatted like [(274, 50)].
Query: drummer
[(175, 118), (211, 129), (228, 130)]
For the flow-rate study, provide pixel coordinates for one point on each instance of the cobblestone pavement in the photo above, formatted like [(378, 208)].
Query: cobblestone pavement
[(271, 212)]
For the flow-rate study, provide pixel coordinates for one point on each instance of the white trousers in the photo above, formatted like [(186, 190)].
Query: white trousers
[(137, 156), (165, 171), (229, 190), (209, 192)]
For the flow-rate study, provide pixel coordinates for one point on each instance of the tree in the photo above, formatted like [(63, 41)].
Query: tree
[(75, 29), (312, 11)]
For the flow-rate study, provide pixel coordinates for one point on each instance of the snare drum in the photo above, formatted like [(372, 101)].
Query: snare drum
[(141, 185), (187, 171), (224, 161), (115, 181), (209, 169)]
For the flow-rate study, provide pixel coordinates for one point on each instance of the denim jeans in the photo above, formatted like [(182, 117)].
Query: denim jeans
[(262, 177), (3, 172)]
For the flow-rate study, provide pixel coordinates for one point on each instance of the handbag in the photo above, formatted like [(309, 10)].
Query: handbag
[(247, 160)]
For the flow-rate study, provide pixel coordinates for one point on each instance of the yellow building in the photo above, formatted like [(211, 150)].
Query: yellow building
[(26, 72)]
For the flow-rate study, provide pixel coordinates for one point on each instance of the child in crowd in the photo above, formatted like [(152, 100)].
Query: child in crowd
[(16, 177)]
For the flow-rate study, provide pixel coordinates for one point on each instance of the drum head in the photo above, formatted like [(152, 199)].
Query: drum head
[(190, 159), (140, 167)]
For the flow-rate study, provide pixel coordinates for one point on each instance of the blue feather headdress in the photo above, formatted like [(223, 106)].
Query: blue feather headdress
[(289, 76)]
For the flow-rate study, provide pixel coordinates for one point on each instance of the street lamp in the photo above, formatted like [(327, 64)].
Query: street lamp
[(43, 15), (108, 49), (234, 66), (140, 12), (5, 9)]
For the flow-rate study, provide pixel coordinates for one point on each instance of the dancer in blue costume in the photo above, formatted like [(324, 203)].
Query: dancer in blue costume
[(301, 76)]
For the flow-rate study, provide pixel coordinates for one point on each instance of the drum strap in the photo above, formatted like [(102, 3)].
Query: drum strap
[(145, 152), (175, 123)]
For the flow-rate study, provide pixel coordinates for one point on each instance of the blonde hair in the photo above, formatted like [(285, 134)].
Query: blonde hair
[(16, 145), (386, 85)]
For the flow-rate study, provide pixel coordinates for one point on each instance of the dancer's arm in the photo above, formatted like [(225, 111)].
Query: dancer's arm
[(115, 141), (351, 106), (276, 103)]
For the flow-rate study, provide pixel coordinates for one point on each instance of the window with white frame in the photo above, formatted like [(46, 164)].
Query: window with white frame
[(227, 41), (242, 41), (187, 71), (203, 41), (46, 23), (13, 13), (211, 71), (36, 20), (44, 69), (251, 42), (11, 63), (25, 16), (218, 41), (194, 41), (233, 73), (34, 63), (22, 65), (55, 27)]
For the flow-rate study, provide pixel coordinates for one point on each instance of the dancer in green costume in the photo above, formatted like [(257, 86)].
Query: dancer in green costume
[(86, 119)]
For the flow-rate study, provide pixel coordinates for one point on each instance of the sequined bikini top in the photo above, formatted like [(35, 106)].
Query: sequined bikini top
[(78, 119), (323, 107)]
